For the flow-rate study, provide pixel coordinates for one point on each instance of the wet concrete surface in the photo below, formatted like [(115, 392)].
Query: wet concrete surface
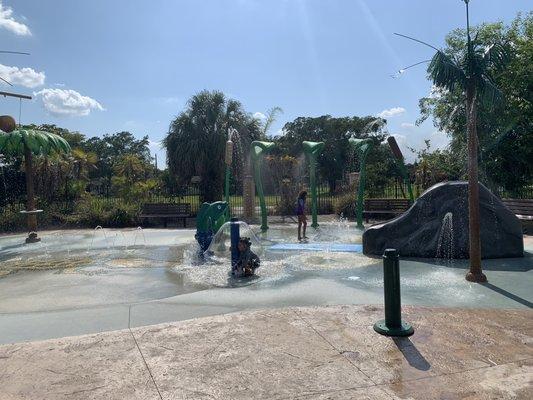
[(151, 284), (288, 353)]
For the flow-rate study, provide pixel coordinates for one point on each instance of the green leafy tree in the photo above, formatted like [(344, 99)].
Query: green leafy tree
[(334, 132), (196, 140), (505, 142), (131, 178), (110, 148)]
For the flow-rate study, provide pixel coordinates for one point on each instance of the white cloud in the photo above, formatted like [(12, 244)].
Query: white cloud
[(7, 21), (407, 125), (67, 102), (392, 112), (27, 77), (259, 115)]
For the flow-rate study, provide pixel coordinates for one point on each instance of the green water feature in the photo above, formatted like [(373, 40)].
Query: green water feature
[(312, 150), (257, 151)]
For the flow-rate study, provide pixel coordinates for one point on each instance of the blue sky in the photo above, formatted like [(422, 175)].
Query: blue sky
[(104, 66)]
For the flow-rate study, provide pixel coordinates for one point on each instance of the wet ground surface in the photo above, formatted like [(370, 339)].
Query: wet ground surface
[(77, 282)]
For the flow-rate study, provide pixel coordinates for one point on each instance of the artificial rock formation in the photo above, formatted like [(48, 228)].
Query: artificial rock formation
[(437, 226)]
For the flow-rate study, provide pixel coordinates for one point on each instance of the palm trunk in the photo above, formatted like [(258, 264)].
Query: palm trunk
[(475, 274), (30, 199)]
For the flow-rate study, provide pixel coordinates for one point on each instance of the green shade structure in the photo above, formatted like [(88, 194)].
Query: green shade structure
[(257, 151), (312, 150), (401, 165), (363, 147), (27, 143)]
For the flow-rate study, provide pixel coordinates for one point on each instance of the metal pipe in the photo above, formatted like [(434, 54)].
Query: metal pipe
[(392, 325), (235, 235)]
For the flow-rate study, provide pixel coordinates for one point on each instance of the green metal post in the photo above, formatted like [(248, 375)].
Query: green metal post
[(392, 325), (258, 148), (311, 150), (407, 181), (363, 146)]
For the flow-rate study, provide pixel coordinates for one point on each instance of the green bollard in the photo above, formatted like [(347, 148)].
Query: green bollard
[(392, 325)]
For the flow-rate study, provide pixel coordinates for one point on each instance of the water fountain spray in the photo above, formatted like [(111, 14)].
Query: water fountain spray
[(228, 161)]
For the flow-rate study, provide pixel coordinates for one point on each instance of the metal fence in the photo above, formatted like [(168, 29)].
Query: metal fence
[(327, 202)]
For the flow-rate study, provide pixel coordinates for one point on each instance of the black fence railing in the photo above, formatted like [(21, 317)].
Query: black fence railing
[(327, 202)]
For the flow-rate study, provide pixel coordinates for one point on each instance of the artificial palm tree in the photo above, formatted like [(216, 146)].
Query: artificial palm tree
[(27, 143), (471, 72), (197, 138)]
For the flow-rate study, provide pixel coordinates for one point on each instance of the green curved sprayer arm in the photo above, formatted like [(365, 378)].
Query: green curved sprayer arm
[(212, 216), (257, 150), (401, 165), (312, 150), (363, 147)]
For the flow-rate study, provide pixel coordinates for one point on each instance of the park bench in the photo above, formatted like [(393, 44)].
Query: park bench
[(385, 207), (165, 211), (523, 209)]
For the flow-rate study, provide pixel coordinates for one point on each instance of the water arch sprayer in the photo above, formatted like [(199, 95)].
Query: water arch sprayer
[(257, 151), (363, 147), (312, 150)]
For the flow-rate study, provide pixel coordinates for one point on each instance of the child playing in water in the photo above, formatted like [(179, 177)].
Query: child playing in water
[(300, 212), (248, 261)]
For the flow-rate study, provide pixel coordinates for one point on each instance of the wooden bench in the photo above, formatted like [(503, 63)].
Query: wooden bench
[(166, 211), (522, 208), (385, 207)]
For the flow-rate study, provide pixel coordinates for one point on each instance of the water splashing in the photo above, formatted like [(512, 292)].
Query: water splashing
[(95, 232), (445, 242), (139, 232)]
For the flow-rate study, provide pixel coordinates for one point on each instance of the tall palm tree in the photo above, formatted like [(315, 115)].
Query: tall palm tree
[(472, 73), (82, 162), (27, 143), (196, 140), (271, 118)]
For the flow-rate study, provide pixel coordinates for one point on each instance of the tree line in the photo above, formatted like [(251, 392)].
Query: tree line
[(119, 164)]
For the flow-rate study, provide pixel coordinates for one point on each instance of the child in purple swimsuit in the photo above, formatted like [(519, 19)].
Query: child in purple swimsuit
[(300, 212)]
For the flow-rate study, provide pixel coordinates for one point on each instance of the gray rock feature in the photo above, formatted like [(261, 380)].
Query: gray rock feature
[(416, 232)]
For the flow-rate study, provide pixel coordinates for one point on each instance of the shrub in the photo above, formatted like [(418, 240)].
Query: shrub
[(345, 205), (90, 212)]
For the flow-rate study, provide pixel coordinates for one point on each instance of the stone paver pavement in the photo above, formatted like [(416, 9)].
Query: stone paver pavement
[(290, 353)]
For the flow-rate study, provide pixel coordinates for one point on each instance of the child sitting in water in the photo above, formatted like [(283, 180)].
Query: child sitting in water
[(300, 212), (248, 261)]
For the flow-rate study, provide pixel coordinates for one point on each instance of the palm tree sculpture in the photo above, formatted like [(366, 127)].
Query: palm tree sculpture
[(471, 72), (27, 143)]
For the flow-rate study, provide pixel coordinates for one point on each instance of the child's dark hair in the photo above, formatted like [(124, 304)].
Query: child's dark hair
[(302, 194), (245, 240)]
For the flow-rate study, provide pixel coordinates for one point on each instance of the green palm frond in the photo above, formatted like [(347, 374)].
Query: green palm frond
[(496, 56), (38, 142), (271, 117), (445, 73)]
